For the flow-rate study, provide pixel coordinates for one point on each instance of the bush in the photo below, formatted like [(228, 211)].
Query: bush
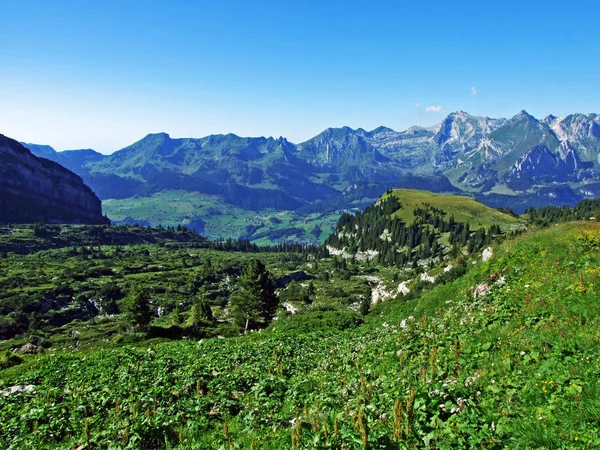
[(9, 360), (329, 320)]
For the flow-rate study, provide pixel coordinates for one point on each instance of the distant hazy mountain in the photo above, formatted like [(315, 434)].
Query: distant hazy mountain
[(514, 162), (36, 189), (74, 160)]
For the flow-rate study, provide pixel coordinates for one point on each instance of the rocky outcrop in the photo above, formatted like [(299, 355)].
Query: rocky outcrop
[(29, 349), (35, 189), (487, 254)]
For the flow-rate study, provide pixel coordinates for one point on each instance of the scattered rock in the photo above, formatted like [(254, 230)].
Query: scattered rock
[(29, 349), (18, 388), (403, 288), (501, 282), (487, 254), (380, 294), (448, 268), (427, 278), (290, 308), (481, 290)]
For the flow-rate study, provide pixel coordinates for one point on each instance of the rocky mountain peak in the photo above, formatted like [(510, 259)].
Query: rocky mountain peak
[(523, 116), (381, 129)]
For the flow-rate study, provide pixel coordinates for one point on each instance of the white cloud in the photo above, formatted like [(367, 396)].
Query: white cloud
[(437, 109), (473, 90)]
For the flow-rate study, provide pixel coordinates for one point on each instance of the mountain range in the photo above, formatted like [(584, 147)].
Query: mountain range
[(517, 162)]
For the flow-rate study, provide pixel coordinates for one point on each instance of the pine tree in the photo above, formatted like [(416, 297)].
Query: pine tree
[(254, 300), (200, 313), (137, 307)]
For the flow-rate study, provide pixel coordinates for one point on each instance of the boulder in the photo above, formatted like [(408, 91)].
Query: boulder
[(481, 290), (403, 288), (428, 279), (29, 349), (290, 308), (18, 388), (487, 254)]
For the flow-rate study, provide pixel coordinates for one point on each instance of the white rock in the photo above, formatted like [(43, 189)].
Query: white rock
[(290, 308), (427, 278), (403, 288), (487, 254), (380, 294), (447, 268), (481, 290), (18, 388)]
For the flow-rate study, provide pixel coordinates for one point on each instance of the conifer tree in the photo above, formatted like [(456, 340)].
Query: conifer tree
[(254, 299), (200, 313), (137, 307)]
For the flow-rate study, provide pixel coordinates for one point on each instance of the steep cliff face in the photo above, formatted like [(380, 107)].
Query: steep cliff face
[(35, 189)]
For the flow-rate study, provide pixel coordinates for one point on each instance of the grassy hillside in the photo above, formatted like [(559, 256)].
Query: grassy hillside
[(465, 209), (419, 228), (514, 368)]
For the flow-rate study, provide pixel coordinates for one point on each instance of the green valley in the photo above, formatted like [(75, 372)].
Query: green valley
[(211, 216)]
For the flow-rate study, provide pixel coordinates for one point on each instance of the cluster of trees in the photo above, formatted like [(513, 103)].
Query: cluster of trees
[(178, 229), (252, 303), (400, 244), (547, 215), (295, 292), (244, 245)]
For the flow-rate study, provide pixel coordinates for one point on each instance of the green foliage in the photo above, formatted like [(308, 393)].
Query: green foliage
[(319, 320), (254, 301), (217, 219), (295, 292), (9, 359), (110, 293), (545, 216), (200, 314), (403, 227), (137, 307)]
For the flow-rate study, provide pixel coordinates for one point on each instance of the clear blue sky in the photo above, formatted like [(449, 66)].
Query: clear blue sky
[(102, 74)]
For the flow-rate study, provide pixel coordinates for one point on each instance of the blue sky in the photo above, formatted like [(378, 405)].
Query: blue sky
[(102, 74)]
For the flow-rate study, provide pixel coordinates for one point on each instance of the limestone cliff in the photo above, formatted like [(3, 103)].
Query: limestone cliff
[(35, 189)]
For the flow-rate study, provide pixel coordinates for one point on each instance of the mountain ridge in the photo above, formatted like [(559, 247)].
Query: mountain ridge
[(517, 162)]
